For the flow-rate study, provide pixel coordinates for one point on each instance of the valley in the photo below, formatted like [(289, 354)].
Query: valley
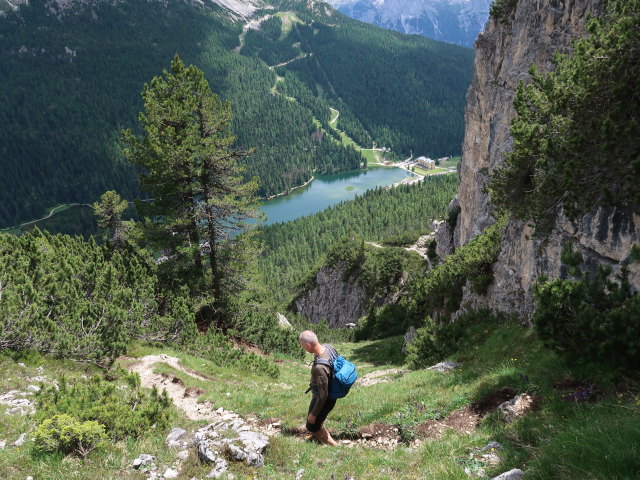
[(490, 301), (57, 151)]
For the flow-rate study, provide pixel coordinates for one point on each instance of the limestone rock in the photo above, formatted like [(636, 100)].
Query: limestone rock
[(219, 469), (173, 439), (333, 298), (233, 438), (504, 52), (3, 444), (20, 441), (515, 474), (17, 403), (282, 321), (516, 407), (144, 462), (444, 366), (491, 446), (299, 474), (170, 473)]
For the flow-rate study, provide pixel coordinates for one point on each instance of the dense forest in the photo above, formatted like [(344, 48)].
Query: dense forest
[(293, 249), (68, 91)]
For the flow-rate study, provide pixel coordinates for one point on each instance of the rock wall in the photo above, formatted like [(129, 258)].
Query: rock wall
[(333, 298), (504, 53)]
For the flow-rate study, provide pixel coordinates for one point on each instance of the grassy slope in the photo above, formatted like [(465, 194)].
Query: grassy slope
[(562, 440)]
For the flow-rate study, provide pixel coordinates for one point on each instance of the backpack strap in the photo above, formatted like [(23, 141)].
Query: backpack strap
[(322, 361)]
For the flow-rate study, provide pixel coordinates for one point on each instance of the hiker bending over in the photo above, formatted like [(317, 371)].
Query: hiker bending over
[(321, 404)]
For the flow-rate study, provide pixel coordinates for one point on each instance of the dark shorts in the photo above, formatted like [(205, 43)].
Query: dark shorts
[(322, 416)]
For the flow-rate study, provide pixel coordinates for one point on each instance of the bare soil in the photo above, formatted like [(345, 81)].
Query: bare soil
[(464, 421), (492, 401)]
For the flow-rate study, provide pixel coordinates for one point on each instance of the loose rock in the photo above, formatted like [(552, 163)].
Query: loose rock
[(444, 366), (144, 462), (299, 474), (516, 407), (171, 473), (234, 438), (174, 436), (20, 441), (515, 474)]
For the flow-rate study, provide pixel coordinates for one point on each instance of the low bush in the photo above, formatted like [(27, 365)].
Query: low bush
[(220, 349), (121, 407), (501, 10), (405, 239), (75, 299), (63, 433), (441, 287), (433, 343), (590, 320)]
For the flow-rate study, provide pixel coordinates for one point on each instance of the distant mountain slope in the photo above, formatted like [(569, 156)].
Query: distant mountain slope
[(71, 73), (453, 21)]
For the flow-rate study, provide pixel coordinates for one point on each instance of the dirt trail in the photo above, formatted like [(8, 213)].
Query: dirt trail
[(186, 399)]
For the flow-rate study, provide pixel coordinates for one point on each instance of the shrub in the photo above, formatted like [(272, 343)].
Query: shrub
[(76, 299), (424, 351), (68, 435), (441, 287), (404, 239), (433, 343), (501, 10), (123, 410), (593, 320), (382, 322), (219, 349)]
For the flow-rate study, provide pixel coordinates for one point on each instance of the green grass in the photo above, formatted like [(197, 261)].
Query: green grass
[(288, 19), (561, 440)]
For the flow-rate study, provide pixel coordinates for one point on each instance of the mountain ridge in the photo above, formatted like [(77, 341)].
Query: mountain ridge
[(452, 21)]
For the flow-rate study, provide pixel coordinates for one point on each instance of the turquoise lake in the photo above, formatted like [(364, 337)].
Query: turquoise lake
[(323, 192), (327, 190)]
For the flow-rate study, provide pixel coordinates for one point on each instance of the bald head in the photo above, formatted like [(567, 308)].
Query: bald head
[(309, 341), (308, 337)]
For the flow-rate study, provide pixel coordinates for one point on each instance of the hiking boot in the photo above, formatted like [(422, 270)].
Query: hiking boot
[(324, 436)]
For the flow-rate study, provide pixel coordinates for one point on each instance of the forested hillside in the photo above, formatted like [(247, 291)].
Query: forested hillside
[(67, 91), (292, 249)]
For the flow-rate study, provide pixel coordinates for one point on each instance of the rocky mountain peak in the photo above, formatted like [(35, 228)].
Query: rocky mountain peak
[(453, 21)]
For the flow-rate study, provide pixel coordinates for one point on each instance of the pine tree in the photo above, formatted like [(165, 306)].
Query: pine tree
[(109, 211), (199, 198)]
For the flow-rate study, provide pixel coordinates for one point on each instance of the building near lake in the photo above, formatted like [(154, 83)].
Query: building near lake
[(426, 163)]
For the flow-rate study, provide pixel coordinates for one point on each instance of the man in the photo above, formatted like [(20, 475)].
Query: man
[(321, 404)]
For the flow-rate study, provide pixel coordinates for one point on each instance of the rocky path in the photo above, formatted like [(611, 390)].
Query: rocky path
[(184, 398)]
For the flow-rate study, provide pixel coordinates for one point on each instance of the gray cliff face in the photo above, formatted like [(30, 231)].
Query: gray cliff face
[(504, 52), (335, 299)]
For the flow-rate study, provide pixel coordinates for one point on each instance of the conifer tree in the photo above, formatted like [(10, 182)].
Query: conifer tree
[(109, 211), (199, 199)]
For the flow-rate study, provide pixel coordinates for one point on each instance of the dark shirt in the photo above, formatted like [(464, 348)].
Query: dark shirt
[(320, 376)]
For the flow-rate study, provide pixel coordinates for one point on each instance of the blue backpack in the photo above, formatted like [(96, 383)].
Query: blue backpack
[(343, 373)]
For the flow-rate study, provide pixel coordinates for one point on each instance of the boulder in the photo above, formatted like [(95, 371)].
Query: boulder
[(517, 406), (144, 462), (173, 439), (515, 474), (282, 321), (444, 366)]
